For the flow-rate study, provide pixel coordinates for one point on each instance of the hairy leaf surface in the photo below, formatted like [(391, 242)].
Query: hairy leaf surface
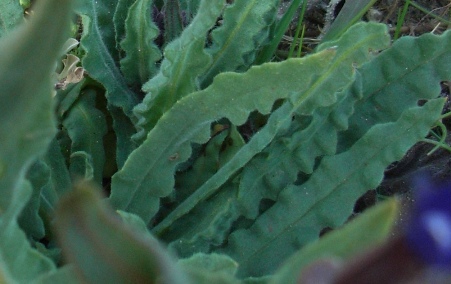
[(397, 79), (148, 173), (139, 64), (184, 60), (235, 44), (98, 41), (322, 91), (119, 18), (328, 196)]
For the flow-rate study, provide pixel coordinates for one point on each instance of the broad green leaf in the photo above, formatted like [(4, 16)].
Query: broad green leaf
[(26, 88), (86, 127), (139, 64), (320, 91), (148, 173), (398, 78), (11, 14), (105, 250), (244, 30), (363, 232), (326, 199), (184, 61), (98, 41)]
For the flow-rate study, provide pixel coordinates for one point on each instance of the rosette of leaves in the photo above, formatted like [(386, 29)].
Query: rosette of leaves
[(235, 167)]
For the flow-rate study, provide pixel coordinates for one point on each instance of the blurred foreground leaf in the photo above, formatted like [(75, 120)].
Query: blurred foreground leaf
[(103, 249)]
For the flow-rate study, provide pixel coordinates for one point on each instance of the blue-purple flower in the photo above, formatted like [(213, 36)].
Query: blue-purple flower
[(428, 232)]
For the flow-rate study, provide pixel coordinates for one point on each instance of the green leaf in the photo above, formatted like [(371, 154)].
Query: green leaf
[(105, 250), (24, 137), (173, 22), (11, 15), (397, 80), (29, 219), (185, 60), (303, 100), (326, 199), (244, 30), (26, 88), (98, 41), (120, 15), (86, 127), (210, 268), (139, 65), (148, 172), (363, 232), (18, 261)]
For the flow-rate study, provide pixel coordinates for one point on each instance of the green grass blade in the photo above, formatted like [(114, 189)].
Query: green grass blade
[(351, 12)]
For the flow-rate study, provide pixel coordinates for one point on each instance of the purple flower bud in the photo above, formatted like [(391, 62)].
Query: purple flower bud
[(428, 232)]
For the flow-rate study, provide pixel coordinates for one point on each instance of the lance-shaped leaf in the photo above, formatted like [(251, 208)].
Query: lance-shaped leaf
[(101, 55), (27, 126), (363, 232), (322, 91), (100, 61), (139, 64), (244, 30), (398, 78), (173, 21), (120, 15), (105, 250), (86, 127), (184, 60), (148, 173), (11, 14), (326, 199)]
